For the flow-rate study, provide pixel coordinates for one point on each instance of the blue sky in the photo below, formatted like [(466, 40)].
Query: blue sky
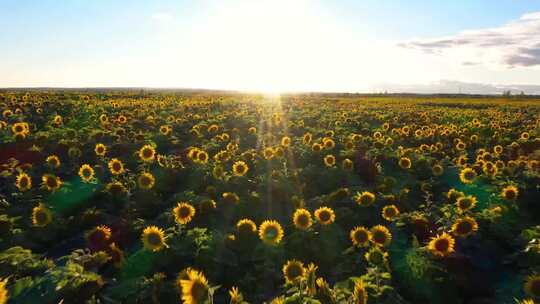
[(269, 45)]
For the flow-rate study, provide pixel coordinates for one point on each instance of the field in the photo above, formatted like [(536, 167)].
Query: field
[(137, 196)]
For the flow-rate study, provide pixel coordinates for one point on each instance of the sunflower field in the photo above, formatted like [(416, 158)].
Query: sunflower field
[(214, 197)]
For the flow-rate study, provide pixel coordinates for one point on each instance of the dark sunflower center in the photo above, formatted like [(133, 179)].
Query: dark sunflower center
[(442, 245), (154, 239), (379, 237)]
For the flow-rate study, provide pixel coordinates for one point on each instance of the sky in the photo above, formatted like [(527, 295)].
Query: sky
[(481, 46)]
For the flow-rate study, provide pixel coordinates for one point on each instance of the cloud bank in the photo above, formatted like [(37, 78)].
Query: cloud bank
[(456, 87), (515, 44)]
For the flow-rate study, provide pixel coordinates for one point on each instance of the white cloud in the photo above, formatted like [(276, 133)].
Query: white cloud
[(515, 44)]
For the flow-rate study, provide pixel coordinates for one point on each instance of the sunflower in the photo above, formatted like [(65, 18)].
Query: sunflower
[(236, 296), (20, 128), (347, 164), (442, 245), (4, 294), (53, 161), (329, 160), (115, 188), (268, 153), (437, 170), (360, 236), (246, 227), (532, 285), (380, 235), (51, 182), (325, 215), (230, 198), (240, 168), (41, 216), (329, 143), (201, 157), (218, 172), (376, 256), (285, 141), (100, 149), (147, 153), (465, 203), (526, 301), (165, 130), (270, 232), (293, 271), (453, 195), (146, 181), (183, 213), (23, 182), (302, 219), (365, 198), (405, 163), (464, 226), (99, 236), (360, 295), (316, 147), (390, 212), (510, 193), (86, 173), (467, 175), (306, 139), (153, 238), (195, 289), (116, 166)]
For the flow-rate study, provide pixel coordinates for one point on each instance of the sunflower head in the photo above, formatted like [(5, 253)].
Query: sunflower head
[(293, 271), (153, 238), (510, 193), (23, 182), (53, 161), (464, 226), (405, 163), (270, 232), (116, 166), (467, 175), (183, 213), (325, 215), (376, 256), (380, 235), (360, 295), (86, 173), (99, 236), (4, 294), (329, 160), (146, 181), (302, 219), (246, 227), (230, 198), (465, 203), (236, 295), (347, 164), (365, 198), (390, 212), (41, 216), (194, 288), (437, 170), (240, 168), (100, 149), (360, 236), (442, 245), (532, 285), (51, 182), (147, 153)]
